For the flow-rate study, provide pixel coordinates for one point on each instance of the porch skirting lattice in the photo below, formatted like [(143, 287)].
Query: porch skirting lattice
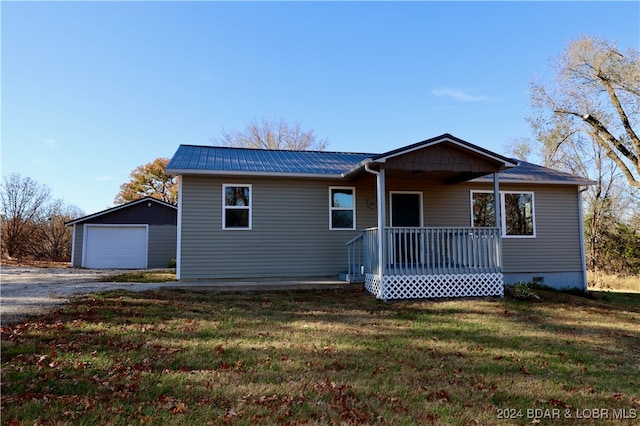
[(441, 285)]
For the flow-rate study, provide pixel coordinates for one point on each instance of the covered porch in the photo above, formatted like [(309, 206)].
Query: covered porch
[(427, 262), (401, 258)]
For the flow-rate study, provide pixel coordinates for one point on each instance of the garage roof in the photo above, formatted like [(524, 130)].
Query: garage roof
[(120, 207)]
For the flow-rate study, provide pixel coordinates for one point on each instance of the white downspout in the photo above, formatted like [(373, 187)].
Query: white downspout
[(583, 253), (381, 222), (497, 202), (179, 232)]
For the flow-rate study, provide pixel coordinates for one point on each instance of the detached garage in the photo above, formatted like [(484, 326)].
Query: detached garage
[(137, 235)]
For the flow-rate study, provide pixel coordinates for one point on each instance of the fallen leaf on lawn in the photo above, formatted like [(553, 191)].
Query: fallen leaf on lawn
[(178, 408), (558, 403), (442, 396)]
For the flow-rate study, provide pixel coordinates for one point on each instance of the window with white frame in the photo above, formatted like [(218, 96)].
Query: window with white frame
[(236, 206), (482, 209), (342, 207), (516, 212)]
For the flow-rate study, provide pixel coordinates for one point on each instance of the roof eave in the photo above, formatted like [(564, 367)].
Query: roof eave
[(120, 207), (357, 168), (576, 182), (237, 173), (508, 163)]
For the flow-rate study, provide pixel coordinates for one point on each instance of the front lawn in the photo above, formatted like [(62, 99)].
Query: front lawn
[(323, 357)]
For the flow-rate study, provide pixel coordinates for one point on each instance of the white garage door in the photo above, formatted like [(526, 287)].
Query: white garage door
[(115, 247)]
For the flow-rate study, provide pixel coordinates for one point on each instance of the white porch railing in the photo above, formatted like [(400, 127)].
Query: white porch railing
[(429, 251), (426, 251), (355, 259)]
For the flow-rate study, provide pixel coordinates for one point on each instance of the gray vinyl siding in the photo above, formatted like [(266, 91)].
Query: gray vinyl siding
[(290, 233), (291, 236), (443, 205), (161, 245), (76, 262), (556, 247)]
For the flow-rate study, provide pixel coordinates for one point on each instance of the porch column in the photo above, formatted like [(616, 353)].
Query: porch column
[(496, 208), (381, 220), (496, 201)]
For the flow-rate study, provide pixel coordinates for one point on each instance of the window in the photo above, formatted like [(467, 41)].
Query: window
[(518, 211), (342, 208), (516, 208), (236, 206), (483, 209)]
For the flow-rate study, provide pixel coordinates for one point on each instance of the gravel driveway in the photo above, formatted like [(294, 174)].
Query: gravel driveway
[(32, 291)]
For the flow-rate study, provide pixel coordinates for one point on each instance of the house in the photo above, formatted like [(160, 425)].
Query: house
[(136, 235), (438, 218)]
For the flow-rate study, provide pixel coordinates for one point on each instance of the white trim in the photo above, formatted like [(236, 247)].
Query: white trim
[(179, 231), (380, 196), (583, 253), (225, 207), (406, 192), (85, 235), (331, 208), (503, 216)]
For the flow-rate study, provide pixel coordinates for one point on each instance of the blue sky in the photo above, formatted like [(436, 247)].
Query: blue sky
[(90, 90)]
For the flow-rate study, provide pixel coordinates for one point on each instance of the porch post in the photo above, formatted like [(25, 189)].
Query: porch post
[(496, 201), (496, 208)]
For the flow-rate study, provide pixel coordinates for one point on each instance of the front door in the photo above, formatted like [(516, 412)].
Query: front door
[(406, 209), (406, 212)]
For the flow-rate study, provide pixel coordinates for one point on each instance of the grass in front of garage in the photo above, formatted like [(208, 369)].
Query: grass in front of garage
[(150, 276)]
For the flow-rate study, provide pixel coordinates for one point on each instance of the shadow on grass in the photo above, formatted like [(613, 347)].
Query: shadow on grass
[(325, 356)]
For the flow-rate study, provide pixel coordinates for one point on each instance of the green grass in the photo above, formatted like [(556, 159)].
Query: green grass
[(150, 276), (321, 357)]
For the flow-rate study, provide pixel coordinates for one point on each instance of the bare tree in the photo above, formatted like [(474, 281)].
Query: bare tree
[(271, 134), (520, 148), (23, 203), (52, 239), (33, 225), (596, 92), (150, 180), (585, 120)]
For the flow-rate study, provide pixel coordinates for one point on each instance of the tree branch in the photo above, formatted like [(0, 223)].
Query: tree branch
[(607, 141), (623, 115)]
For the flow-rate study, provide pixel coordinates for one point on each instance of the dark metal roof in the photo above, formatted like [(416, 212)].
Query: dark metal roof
[(222, 160), (193, 159), (120, 207)]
